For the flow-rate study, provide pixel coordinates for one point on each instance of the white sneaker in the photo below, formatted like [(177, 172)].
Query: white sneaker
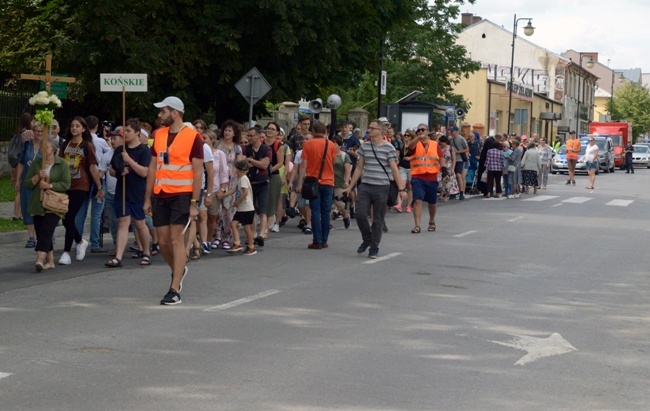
[(509, 196), (65, 259), (517, 195), (275, 228), (81, 250)]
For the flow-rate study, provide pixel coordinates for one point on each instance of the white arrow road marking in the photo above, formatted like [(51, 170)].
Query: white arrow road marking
[(242, 301), (577, 200), (538, 348), (4, 375), (465, 233), (386, 257), (620, 203)]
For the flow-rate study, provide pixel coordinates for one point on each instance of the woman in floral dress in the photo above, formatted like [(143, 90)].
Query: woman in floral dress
[(229, 140), (448, 183)]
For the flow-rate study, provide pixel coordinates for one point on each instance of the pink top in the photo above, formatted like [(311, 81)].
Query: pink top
[(220, 167)]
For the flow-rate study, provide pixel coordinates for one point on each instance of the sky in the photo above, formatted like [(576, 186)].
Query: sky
[(616, 30)]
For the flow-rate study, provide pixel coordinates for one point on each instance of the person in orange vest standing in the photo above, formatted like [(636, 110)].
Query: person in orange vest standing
[(425, 171), (572, 154), (173, 188)]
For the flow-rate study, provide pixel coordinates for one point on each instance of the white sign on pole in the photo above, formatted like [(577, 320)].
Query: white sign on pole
[(123, 82), (383, 82)]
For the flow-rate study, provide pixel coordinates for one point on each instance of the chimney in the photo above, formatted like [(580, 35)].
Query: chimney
[(466, 19), (476, 19)]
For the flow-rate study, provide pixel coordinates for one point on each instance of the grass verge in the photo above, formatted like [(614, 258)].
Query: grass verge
[(7, 192), (6, 225)]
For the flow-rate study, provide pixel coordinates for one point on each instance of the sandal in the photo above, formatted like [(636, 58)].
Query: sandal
[(112, 253), (225, 245), (155, 249), (146, 260), (113, 263), (196, 255), (137, 254), (432, 226), (589, 187), (416, 230), (31, 243), (216, 243)]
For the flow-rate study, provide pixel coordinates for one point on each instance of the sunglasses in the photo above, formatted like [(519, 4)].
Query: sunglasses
[(422, 130)]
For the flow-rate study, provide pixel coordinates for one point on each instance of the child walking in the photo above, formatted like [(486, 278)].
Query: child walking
[(245, 213)]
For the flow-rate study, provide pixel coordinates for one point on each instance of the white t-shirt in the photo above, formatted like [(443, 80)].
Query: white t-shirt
[(104, 165), (247, 204), (101, 147), (590, 154), (207, 157)]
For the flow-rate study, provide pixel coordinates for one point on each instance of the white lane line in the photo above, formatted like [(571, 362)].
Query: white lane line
[(516, 218), (465, 233), (383, 258), (620, 203), (557, 205), (4, 374), (577, 200), (540, 198), (242, 301)]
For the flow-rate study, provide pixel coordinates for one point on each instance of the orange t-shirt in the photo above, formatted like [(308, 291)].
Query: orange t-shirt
[(573, 149), (313, 151)]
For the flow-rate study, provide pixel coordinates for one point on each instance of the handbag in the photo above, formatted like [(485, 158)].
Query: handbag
[(393, 190), (310, 185), (511, 168), (54, 202)]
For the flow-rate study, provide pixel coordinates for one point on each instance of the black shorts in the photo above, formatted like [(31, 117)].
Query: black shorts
[(244, 217), (458, 167), (171, 210)]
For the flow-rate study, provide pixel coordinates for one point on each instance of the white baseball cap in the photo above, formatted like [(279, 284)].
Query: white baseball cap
[(172, 102)]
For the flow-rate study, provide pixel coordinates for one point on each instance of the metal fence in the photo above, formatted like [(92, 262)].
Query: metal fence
[(14, 101)]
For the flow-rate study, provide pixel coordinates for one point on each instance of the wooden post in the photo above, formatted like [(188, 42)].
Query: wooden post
[(124, 148), (48, 80)]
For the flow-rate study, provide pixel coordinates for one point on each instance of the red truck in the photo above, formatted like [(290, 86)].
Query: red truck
[(620, 132)]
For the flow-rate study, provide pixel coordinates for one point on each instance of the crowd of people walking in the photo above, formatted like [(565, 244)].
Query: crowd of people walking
[(187, 189)]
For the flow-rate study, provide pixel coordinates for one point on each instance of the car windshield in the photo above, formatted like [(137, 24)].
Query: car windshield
[(641, 149), (600, 142), (617, 140)]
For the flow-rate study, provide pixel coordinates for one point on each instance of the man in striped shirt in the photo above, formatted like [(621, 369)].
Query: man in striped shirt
[(375, 158)]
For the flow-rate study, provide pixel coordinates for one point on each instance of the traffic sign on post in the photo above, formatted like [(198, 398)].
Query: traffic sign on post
[(252, 86)]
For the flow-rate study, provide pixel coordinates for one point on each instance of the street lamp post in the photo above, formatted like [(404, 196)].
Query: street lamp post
[(590, 64), (528, 30), (611, 96)]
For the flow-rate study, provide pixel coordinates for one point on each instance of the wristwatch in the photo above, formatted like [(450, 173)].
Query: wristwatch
[(194, 200), (209, 195), (402, 191)]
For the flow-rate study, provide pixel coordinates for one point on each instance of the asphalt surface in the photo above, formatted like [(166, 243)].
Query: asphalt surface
[(536, 303)]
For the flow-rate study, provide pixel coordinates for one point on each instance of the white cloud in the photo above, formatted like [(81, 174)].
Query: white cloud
[(616, 30)]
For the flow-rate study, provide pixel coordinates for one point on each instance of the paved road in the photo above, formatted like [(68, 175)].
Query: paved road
[(538, 303)]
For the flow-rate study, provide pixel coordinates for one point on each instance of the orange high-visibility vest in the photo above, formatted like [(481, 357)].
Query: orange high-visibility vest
[(572, 145), (425, 161), (176, 177)]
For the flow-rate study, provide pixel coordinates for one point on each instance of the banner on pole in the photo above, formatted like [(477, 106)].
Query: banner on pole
[(116, 81)]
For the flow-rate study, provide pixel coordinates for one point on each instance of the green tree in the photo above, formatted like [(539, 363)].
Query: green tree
[(422, 54), (632, 104), (197, 50)]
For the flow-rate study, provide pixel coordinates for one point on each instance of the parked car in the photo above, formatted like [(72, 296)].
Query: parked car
[(641, 155), (559, 165), (605, 152)]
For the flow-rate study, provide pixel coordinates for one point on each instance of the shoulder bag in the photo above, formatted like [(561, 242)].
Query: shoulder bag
[(393, 190), (54, 202), (310, 185)]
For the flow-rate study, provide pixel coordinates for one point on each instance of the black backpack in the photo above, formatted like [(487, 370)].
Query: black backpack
[(15, 151)]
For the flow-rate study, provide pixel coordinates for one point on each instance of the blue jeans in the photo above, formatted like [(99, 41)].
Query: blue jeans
[(320, 213), (507, 184), (110, 215), (96, 209)]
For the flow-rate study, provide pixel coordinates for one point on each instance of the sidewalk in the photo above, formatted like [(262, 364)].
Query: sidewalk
[(10, 237)]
